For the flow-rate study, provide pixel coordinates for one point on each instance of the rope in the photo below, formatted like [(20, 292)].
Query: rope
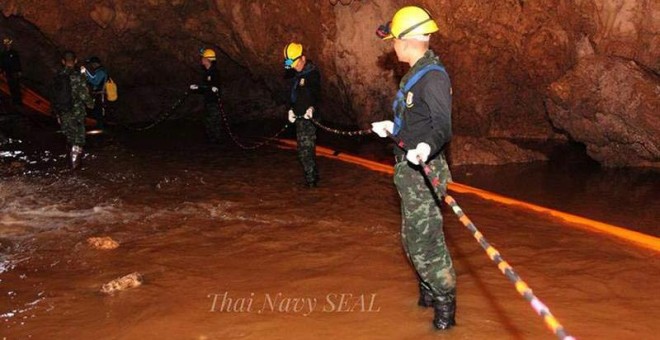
[(340, 132), (506, 269), (234, 138), (161, 118)]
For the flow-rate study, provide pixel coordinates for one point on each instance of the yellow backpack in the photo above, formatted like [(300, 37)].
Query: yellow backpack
[(110, 90)]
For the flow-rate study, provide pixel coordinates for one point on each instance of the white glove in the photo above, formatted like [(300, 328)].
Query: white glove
[(194, 87), (214, 89), (382, 128), (83, 70), (309, 113), (292, 116), (422, 151)]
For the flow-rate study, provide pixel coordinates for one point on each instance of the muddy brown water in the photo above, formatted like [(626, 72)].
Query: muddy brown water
[(232, 246)]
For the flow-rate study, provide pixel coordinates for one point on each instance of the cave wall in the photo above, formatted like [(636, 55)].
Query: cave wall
[(503, 56), (610, 105)]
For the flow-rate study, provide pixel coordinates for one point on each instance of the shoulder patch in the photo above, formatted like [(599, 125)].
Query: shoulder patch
[(409, 99)]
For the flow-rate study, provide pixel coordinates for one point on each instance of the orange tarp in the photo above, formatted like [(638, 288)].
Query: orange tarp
[(35, 101)]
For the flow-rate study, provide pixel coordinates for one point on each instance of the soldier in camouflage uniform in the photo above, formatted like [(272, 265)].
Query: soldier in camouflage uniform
[(305, 93), (210, 88), (73, 121), (423, 121)]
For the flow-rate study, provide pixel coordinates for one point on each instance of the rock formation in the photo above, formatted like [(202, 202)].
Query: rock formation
[(508, 60), (612, 106), (467, 150)]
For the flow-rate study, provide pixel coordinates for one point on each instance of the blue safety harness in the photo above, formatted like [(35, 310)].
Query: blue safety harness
[(399, 104)]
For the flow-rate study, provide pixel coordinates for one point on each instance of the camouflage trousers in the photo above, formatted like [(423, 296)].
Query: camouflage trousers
[(213, 122), (421, 230), (73, 126), (306, 137)]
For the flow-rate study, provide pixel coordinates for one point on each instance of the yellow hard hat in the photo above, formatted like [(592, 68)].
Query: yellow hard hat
[(292, 53), (408, 21), (207, 53)]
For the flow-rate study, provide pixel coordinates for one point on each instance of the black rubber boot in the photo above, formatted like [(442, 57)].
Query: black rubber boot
[(445, 311), (425, 296)]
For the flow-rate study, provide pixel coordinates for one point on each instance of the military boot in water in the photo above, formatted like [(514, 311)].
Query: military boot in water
[(76, 156), (445, 311), (425, 296), (311, 180)]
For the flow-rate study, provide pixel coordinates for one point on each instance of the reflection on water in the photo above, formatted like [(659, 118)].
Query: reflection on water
[(629, 198), (198, 221), (569, 182)]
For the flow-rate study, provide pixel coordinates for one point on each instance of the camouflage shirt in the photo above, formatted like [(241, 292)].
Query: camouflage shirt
[(79, 92)]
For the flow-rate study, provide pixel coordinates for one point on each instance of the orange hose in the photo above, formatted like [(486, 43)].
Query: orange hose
[(637, 238)]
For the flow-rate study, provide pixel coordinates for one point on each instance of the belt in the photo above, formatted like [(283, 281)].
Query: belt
[(402, 158)]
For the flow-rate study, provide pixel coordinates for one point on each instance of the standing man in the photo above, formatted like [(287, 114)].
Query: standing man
[(422, 120), (305, 93), (70, 98), (96, 78), (10, 62), (210, 88)]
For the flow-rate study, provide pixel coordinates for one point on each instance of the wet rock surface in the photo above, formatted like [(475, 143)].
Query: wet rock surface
[(502, 56), (125, 282), (613, 107), (471, 150), (102, 243)]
